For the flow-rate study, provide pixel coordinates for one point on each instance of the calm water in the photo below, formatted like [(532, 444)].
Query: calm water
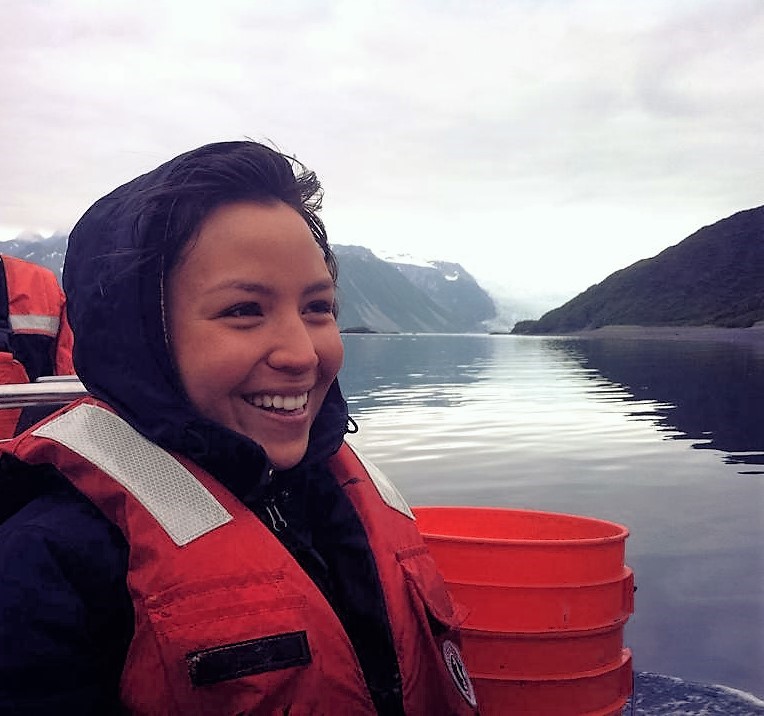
[(664, 437)]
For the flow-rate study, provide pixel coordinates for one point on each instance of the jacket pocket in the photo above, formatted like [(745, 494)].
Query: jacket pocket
[(440, 683), (427, 586), (229, 648)]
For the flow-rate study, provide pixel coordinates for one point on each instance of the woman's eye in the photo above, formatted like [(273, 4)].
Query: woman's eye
[(320, 307), (243, 310)]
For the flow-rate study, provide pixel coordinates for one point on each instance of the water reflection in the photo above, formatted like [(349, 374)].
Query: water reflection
[(418, 371), (710, 393), (556, 424)]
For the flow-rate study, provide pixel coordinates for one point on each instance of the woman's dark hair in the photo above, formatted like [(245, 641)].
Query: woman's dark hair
[(198, 182)]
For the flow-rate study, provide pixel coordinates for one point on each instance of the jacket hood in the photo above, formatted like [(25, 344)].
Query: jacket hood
[(113, 280)]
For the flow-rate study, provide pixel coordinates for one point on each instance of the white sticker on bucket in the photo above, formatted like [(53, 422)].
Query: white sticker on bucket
[(455, 666)]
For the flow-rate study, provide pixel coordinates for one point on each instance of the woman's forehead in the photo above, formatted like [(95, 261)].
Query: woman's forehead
[(250, 243)]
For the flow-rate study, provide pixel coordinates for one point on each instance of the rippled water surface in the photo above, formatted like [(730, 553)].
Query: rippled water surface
[(664, 437)]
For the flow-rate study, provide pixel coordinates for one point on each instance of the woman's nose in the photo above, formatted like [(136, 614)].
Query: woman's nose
[(293, 348)]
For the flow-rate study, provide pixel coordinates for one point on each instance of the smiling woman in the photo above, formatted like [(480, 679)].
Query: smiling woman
[(196, 537), (255, 285)]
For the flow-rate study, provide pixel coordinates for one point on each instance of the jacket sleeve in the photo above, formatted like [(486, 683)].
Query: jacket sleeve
[(63, 615)]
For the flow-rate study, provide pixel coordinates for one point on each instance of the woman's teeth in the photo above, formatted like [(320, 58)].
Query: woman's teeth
[(280, 402)]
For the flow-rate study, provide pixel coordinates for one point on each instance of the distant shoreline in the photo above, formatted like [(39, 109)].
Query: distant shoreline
[(747, 336)]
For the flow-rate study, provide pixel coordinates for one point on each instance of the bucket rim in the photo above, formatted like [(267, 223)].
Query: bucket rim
[(621, 532), (625, 574), (550, 634)]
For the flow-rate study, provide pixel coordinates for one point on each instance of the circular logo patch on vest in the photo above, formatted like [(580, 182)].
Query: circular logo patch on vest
[(458, 671)]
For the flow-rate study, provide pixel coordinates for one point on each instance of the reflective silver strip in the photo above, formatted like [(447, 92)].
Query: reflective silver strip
[(177, 500), (40, 324), (387, 491)]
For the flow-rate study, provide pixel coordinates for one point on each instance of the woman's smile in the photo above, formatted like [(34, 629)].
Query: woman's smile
[(283, 403)]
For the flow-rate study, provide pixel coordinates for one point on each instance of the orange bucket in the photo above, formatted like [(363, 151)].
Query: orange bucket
[(548, 596)]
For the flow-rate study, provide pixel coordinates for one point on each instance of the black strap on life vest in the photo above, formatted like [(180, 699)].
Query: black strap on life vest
[(5, 320)]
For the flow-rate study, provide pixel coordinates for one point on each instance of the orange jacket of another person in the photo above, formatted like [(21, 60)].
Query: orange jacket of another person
[(35, 337)]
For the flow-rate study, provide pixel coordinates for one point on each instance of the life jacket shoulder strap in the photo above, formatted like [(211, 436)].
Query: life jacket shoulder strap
[(183, 507), (384, 486)]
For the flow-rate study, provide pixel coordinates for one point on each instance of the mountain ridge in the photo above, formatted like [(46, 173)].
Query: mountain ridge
[(713, 277), (390, 297), (373, 295)]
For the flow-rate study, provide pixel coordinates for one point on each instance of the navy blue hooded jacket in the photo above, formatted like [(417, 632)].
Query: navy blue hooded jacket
[(65, 614)]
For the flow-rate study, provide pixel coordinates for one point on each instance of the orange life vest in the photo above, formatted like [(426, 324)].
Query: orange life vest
[(32, 311), (226, 622)]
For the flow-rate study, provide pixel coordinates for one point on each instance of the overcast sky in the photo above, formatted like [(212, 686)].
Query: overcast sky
[(543, 144)]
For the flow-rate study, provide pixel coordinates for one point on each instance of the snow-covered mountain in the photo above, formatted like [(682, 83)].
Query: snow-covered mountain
[(48, 252), (374, 294)]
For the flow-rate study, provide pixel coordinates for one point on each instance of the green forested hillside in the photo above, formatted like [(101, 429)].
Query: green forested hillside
[(714, 277)]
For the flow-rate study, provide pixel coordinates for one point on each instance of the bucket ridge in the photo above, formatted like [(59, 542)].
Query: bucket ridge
[(515, 655), (623, 657), (602, 692), (624, 573), (536, 608)]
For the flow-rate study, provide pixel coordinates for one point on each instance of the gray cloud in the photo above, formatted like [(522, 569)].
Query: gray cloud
[(521, 121)]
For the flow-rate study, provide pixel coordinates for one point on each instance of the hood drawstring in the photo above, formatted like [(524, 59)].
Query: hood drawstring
[(271, 508), (277, 519)]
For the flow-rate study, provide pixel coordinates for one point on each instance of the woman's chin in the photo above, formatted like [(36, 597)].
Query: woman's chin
[(285, 457)]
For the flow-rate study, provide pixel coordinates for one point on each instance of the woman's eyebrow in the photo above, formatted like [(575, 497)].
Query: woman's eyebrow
[(250, 286), (318, 286), (255, 287)]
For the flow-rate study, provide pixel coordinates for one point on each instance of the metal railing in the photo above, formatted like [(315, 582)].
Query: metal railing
[(52, 390)]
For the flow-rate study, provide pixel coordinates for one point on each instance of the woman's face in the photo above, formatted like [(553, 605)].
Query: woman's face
[(251, 325)]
